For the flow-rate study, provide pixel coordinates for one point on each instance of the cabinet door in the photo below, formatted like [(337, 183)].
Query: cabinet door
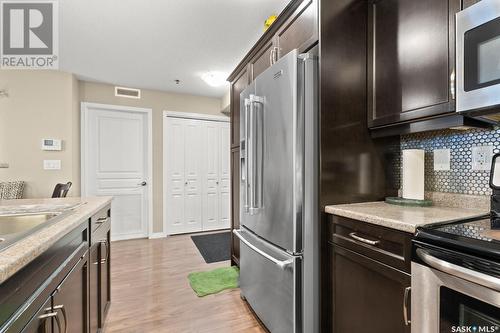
[(94, 288), (235, 204), (411, 70), (104, 278), (42, 320), (366, 294), (237, 86), (70, 300), (301, 30), (263, 60), (468, 3)]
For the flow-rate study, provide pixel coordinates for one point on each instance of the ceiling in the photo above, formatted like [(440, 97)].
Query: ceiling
[(150, 43)]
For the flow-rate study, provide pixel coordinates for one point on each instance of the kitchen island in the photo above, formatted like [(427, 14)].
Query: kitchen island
[(54, 272)]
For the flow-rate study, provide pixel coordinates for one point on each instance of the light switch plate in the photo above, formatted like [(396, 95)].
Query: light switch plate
[(442, 159), (52, 164), (481, 157)]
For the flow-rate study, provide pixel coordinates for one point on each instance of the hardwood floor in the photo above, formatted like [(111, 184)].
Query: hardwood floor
[(151, 293)]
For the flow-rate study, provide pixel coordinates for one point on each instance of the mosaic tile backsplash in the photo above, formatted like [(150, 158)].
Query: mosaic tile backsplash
[(460, 178)]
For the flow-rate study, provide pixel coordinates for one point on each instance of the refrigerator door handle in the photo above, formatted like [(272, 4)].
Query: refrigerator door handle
[(255, 149), (283, 264), (245, 160)]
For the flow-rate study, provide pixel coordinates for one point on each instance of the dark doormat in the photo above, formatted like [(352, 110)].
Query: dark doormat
[(214, 247)]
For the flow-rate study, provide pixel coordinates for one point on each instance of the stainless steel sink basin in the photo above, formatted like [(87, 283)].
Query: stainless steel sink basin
[(14, 227), (13, 224)]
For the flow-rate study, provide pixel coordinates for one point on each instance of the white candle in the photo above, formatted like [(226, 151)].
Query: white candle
[(413, 174)]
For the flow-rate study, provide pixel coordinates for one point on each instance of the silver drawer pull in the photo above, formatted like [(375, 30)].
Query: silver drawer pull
[(364, 240), (102, 220)]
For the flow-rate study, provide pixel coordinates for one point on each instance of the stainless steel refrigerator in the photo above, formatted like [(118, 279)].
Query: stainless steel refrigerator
[(279, 214)]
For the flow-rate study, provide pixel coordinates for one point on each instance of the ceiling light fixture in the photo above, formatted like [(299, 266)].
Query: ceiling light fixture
[(214, 79)]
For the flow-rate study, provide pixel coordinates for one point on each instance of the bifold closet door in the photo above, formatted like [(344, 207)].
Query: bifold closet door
[(216, 180), (224, 176), (183, 148)]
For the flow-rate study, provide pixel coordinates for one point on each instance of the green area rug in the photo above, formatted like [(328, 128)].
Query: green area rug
[(212, 282)]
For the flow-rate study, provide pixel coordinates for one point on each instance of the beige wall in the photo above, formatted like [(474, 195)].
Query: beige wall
[(158, 101), (41, 104)]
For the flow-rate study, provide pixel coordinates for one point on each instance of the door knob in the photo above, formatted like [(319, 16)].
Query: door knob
[(143, 183)]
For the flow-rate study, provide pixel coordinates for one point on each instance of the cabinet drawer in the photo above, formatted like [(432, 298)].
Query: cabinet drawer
[(100, 223), (391, 247)]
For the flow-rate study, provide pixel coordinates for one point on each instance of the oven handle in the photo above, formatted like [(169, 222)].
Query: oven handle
[(461, 272)]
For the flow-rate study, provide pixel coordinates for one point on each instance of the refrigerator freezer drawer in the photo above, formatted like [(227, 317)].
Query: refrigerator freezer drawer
[(270, 282)]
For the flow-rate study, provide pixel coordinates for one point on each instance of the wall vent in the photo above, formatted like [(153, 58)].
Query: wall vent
[(127, 92)]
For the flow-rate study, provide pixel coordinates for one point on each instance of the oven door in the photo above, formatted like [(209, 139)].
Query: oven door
[(445, 299), (478, 64)]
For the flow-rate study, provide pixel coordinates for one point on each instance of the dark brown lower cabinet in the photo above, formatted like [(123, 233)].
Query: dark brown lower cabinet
[(41, 321), (367, 296), (70, 300), (100, 270), (94, 289), (105, 278)]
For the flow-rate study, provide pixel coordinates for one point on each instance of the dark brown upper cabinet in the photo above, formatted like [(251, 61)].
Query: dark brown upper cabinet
[(237, 86), (411, 68), (300, 31)]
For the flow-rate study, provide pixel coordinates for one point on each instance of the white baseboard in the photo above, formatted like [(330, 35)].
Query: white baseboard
[(156, 235)]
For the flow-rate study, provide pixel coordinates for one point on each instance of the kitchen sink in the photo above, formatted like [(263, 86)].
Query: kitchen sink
[(13, 224), (14, 227)]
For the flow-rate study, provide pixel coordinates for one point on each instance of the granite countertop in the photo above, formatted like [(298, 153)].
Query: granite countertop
[(408, 218), (19, 254)]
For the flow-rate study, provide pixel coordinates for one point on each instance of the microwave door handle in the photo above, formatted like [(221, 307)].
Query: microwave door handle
[(458, 271)]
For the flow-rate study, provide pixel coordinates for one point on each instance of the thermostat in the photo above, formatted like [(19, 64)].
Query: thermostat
[(51, 144)]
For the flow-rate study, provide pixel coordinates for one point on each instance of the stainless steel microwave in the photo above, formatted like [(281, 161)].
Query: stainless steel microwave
[(478, 60)]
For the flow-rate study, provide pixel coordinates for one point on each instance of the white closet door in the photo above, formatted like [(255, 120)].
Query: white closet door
[(182, 170), (224, 177), (193, 140), (211, 177)]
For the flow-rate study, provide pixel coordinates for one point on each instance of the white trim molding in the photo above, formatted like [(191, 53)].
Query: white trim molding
[(85, 106), (156, 235), (200, 116)]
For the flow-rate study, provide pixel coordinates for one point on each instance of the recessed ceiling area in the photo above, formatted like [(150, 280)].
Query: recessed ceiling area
[(151, 43)]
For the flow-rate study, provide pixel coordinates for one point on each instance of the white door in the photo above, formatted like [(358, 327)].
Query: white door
[(211, 195), (183, 183), (224, 177), (116, 163)]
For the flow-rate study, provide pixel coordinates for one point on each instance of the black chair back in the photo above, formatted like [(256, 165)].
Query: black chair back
[(61, 190)]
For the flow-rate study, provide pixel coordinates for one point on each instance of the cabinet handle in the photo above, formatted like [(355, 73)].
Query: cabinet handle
[(276, 54), (65, 317), (102, 220), (452, 85), (46, 316), (364, 240), (405, 306), (271, 57)]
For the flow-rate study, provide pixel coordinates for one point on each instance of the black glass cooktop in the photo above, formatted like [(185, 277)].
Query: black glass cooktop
[(475, 229), (474, 236)]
